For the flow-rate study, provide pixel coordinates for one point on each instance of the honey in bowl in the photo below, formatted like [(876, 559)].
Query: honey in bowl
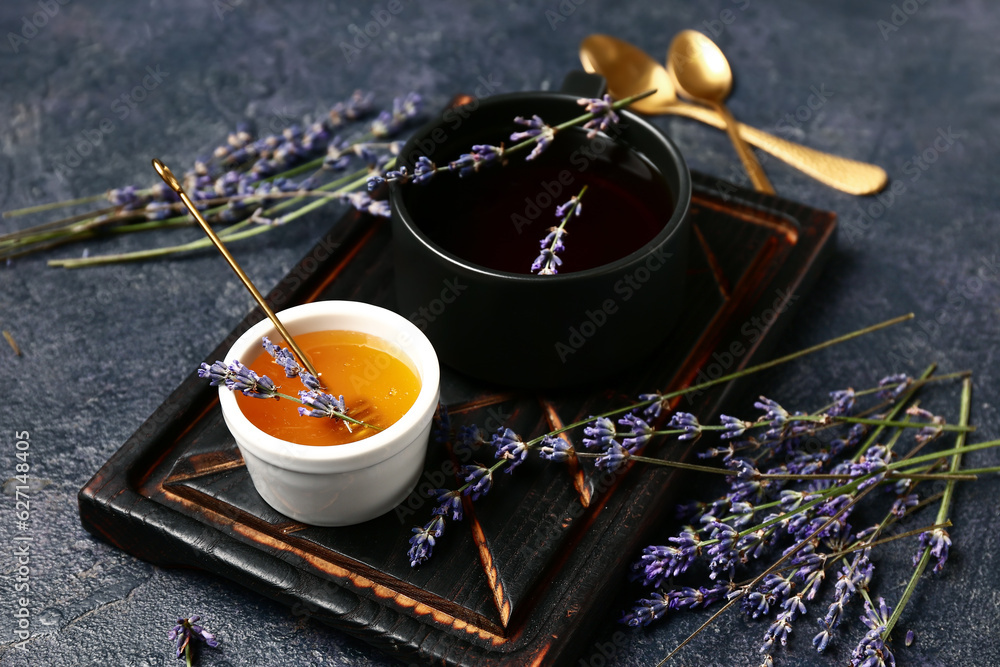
[(378, 388)]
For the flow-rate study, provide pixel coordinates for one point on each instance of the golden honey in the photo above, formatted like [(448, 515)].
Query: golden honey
[(378, 388)]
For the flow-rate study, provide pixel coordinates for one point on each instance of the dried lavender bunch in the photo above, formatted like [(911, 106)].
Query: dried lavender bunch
[(239, 182), (314, 402), (599, 430), (784, 499), (548, 261)]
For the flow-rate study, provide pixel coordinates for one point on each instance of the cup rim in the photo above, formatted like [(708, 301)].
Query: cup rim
[(352, 455), (671, 227)]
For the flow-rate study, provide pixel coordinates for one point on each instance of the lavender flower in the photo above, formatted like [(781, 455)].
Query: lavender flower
[(872, 650), (648, 610), (734, 427), (510, 446), (537, 130), (241, 378), (604, 114), (319, 404), (479, 480), (284, 358), (894, 386), (843, 402), (423, 170), (423, 540), (449, 502), (216, 374), (774, 414), (688, 423), (939, 542), (553, 448), (641, 432), (186, 630), (547, 263), (600, 433), (613, 458), (654, 409)]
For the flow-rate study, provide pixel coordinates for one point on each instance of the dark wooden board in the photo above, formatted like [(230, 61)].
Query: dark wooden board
[(537, 564)]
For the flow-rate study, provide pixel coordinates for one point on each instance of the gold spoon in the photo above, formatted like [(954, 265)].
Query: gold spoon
[(700, 72), (171, 180), (629, 70)]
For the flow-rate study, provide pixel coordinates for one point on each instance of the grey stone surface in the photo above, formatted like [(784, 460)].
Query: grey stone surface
[(104, 346)]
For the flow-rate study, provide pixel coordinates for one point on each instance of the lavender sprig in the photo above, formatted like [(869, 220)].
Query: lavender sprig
[(316, 403), (547, 263), (539, 135)]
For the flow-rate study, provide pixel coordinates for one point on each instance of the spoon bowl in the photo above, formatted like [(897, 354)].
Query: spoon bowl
[(700, 71), (628, 71)]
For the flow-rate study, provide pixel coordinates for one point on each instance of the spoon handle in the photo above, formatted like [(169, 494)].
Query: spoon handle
[(747, 157), (850, 176)]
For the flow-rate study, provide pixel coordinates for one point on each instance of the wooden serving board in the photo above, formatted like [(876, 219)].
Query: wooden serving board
[(537, 564)]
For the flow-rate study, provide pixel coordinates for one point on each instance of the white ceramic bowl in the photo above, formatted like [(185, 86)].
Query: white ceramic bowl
[(338, 485)]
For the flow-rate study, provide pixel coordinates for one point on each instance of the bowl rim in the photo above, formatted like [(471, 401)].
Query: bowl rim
[(353, 455), (680, 212)]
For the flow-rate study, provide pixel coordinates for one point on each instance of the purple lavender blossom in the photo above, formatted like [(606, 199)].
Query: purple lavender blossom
[(613, 458), (547, 263), (241, 378), (538, 130), (188, 629), (894, 386), (641, 432), (843, 402), (423, 170), (647, 610), (423, 540), (604, 115), (319, 404), (449, 502), (872, 650), (939, 542), (553, 448), (654, 409), (600, 433), (734, 427), (216, 374), (510, 447), (479, 480), (688, 423)]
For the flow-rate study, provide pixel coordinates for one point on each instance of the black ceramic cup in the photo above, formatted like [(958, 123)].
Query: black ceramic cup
[(522, 329)]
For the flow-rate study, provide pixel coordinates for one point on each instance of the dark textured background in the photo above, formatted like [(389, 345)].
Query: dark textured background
[(104, 346)]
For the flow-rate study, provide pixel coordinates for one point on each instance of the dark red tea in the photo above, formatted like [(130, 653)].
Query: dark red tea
[(495, 218)]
